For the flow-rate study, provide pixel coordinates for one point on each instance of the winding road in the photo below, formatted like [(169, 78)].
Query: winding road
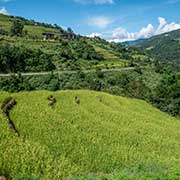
[(69, 72)]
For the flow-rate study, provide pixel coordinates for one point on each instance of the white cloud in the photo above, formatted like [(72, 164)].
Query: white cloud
[(99, 21), (3, 11), (162, 23), (120, 34), (92, 35), (165, 27), (95, 1), (146, 32)]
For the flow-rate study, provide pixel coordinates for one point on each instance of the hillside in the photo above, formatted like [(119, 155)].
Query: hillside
[(165, 47), (45, 47), (40, 56), (132, 43), (33, 28), (99, 135)]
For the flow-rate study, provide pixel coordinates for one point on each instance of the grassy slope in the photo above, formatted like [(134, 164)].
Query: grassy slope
[(99, 137), (110, 59), (6, 23)]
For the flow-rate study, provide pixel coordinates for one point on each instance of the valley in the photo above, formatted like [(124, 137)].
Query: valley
[(76, 107)]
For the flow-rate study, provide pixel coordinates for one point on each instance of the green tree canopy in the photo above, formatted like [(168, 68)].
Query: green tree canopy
[(17, 28)]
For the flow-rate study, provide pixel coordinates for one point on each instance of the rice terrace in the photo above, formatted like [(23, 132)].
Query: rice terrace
[(89, 90), (122, 137)]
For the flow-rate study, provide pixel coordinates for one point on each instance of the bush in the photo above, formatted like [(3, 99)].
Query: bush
[(20, 59), (17, 28)]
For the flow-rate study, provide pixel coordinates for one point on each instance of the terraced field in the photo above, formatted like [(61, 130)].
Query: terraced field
[(99, 136)]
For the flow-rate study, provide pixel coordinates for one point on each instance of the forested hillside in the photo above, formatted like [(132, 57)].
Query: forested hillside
[(165, 47), (29, 46)]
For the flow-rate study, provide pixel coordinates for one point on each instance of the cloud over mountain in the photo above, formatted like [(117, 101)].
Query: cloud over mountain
[(3, 11), (120, 34)]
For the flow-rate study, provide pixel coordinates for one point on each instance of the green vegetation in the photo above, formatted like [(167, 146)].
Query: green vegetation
[(65, 53), (34, 29), (164, 50), (164, 47), (19, 59), (160, 89), (17, 28), (167, 94), (23, 49), (102, 136), (83, 134)]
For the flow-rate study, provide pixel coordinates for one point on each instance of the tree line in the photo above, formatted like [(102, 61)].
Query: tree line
[(163, 93)]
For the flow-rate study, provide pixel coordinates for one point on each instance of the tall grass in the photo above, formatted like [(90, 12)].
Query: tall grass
[(104, 134)]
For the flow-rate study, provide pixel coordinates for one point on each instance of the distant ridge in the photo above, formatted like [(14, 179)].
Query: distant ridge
[(132, 43), (165, 47)]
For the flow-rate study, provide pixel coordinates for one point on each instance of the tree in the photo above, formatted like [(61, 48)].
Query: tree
[(17, 28), (167, 94), (70, 30), (15, 59)]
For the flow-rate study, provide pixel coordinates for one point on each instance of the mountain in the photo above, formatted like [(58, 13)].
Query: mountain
[(87, 133), (165, 47), (132, 43)]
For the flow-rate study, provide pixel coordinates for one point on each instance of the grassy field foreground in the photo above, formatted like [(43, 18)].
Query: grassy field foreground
[(103, 136)]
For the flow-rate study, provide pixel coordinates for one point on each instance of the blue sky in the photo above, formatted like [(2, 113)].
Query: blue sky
[(116, 20)]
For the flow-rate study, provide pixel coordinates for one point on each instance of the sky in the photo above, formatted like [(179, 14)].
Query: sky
[(114, 20)]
